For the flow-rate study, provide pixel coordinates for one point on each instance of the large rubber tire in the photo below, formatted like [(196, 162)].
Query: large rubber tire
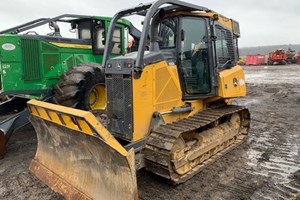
[(81, 84)]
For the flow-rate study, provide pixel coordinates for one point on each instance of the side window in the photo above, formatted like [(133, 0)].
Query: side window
[(84, 30), (224, 45), (116, 41), (100, 39), (167, 33)]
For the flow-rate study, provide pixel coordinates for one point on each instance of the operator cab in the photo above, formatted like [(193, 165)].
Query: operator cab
[(200, 47), (201, 43)]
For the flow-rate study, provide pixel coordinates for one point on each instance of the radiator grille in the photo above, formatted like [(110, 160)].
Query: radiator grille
[(119, 106), (30, 57)]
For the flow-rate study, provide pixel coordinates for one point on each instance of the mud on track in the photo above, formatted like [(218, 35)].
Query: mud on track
[(266, 166)]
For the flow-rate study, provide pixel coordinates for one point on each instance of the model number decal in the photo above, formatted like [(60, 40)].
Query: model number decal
[(8, 46)]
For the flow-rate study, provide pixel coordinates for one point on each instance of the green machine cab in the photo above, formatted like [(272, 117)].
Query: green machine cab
[(31, 63)]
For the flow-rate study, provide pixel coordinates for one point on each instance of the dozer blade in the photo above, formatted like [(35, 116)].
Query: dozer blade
[(77, 157)]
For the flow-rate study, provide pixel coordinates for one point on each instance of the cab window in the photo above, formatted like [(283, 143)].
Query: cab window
[(116, 41), (84, 30), (224, 46), (167, 32), (194, 56), (99, 40)]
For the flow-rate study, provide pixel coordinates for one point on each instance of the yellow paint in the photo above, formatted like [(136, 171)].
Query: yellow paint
[(69, 45), (227, 89), (196, 105), (223, 20), (157, 90), (84, 126), (97, 97), (67, 121), (54, 117), (65, 116)]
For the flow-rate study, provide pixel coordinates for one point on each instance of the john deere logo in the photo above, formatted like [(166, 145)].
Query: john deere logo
[(8, 47)]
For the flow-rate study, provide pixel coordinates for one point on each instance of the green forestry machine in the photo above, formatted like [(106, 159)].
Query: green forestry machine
[(36, 64)]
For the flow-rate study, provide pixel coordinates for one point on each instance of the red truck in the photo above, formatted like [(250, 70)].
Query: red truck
[(277, 57), (297, 58)]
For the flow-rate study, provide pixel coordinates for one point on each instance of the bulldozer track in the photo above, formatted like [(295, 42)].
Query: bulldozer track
[(157, 152)]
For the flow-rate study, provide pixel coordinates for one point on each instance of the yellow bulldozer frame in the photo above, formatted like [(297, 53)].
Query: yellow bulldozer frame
[(152, 118)]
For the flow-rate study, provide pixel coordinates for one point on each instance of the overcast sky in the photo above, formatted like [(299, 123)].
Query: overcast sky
[(262, 22)]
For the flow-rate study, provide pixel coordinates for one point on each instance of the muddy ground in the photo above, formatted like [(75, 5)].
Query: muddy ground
[(266, 166)]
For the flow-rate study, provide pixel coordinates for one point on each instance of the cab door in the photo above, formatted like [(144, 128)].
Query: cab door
[(195, 65)]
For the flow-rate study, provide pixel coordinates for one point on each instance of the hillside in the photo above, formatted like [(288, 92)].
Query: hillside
[(264, 50)]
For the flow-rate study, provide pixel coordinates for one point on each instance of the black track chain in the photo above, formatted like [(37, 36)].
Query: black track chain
[(157, 150)]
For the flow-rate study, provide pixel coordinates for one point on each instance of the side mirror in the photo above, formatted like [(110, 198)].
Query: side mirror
[(213, 36), (182, 35)]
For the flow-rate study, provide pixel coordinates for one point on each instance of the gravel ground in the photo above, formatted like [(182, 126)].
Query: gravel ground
[(266, 166)]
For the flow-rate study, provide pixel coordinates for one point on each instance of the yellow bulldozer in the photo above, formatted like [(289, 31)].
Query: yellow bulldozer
[(169, 107)]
